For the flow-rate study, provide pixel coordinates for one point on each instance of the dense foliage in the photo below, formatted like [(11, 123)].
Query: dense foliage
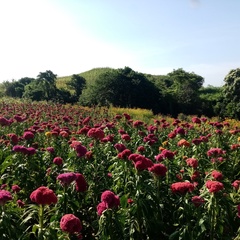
[(69, 172), (177, 92)]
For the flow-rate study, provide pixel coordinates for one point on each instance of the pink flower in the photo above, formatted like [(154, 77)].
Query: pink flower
[(214, 186), (16, 188), (20, 203), (192, 162), (96, 133), (5, 196), (71, 224), (126, 137), (81, 184), (197, 201), (236, 184), (119, 147), (58, 161), (158, 169), (50, 149), (101, 207), (66, 178), (182, 187), (110, 199), (167, 154), (44, 196), (124, 154), (28, 135), (196, 120), (217, 175)]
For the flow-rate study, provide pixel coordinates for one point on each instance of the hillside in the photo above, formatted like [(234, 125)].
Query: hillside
[(92, 75)]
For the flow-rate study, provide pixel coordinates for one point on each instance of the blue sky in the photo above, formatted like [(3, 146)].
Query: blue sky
[(150, 36)]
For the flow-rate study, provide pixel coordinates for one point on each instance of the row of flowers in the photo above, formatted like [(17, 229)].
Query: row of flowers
[(116, 177)]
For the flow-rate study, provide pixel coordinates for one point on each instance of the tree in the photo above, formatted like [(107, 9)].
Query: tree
[(185, 89), (47, 82), (77, 83), (122, 88), (231, 94)]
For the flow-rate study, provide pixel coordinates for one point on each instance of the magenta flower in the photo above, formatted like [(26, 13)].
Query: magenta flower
[(66, 178), (5, 196)]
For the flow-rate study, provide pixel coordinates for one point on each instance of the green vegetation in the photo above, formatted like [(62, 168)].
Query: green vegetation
[(178, 92)]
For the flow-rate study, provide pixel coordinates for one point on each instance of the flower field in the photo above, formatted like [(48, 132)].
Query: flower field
[(68, 172)]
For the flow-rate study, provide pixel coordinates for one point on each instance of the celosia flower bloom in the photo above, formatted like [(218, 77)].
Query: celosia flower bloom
[(28, 135), (119, 147), (215, 152), (197, 201), (167, 154), (71, 224), (15, 188), (124, 154), (66, 178), (96, 133), (110, 199), (196, 120), (44, 196), (192, 162), (5, 196), (214, 186), (182, 187), (101, 207), (20, 203), (58, 161), (217, 175), (125, 137), (158, 169), (81, 184), (236, 184)]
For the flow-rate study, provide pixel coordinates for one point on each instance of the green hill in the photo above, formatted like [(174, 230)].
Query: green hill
[(90, 76)]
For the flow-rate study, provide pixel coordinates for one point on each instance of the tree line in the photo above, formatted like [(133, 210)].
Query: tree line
[(177, 92)]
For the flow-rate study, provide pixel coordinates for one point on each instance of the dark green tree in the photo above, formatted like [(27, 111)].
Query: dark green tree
[(76, 83), (231, 94), (122, 88), (185, 90), (47, 82)]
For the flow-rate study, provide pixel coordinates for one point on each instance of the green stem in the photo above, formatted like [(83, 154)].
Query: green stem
[(41, 211), (213, 217)]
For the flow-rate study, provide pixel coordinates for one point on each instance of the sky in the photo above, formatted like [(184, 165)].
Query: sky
[(150, 36)]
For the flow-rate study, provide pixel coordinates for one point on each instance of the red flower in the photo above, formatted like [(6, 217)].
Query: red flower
[(20, 203), (236, 184), (126, 137), (110, 199), (192, 162), (102, 206), (215, 152), (197, 201), (142, 163), (58, 161), (28, 135), (66, 178), (158, 169), (43, 195), (5, 196), (16, 188), (217, 175), (124, 154), (167, 154), (182, 187), (96, 133), (70, 224), (119, 147), (214, 186), (81, 184), (196, 120)]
